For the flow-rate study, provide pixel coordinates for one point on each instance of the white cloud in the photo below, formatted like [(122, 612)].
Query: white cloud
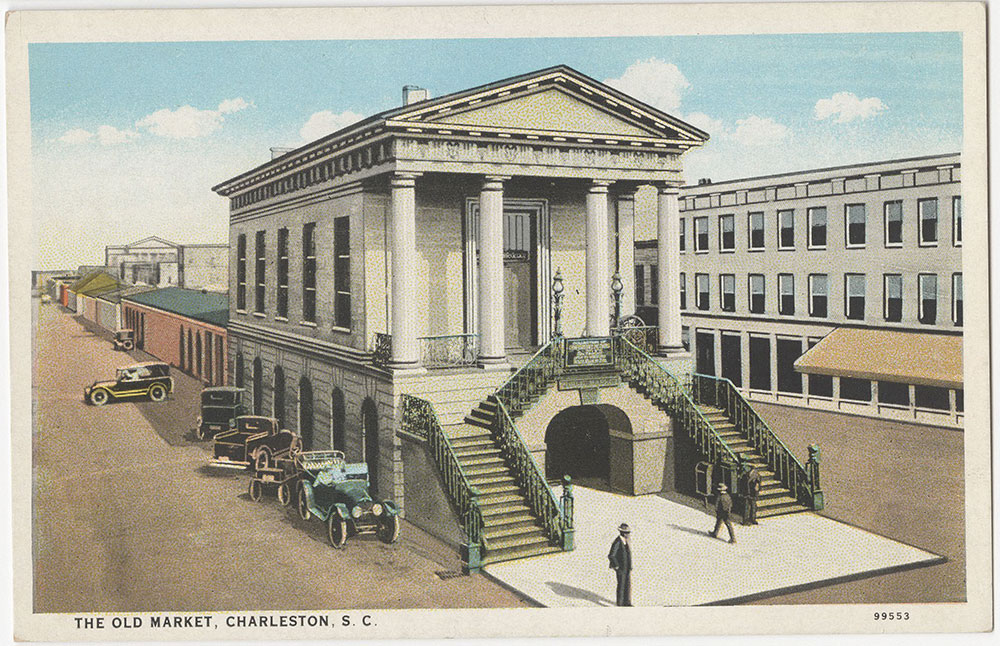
[(188, 122), (846, 106), (76, 136), (759, 131), (323, 123), (109, 135), (714, 127), (654, 81)]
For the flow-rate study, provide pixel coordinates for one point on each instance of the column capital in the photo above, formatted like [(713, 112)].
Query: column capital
[(494, 182), (403, 179), (666, 188), (599, 185)]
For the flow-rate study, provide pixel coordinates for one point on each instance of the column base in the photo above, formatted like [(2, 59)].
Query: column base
[(672, 351), (407, 369), (493, 363)]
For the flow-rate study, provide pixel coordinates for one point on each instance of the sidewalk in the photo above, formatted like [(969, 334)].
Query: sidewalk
[(677, 564)]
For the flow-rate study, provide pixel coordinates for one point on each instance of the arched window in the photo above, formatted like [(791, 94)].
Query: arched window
[(180, 350), (197, 352), (279, 395), (239, 370), (306, 413), (190, 348), (258, 389), (369, 422), (337, 415)]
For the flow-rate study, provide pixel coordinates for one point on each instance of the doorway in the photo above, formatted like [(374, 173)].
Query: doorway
[(578, 444), (369, 423)]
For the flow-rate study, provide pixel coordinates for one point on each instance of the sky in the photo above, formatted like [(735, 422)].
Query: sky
[(129, 138)]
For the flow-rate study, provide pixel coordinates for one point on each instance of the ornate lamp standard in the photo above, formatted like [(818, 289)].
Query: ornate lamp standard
[(617, 287), (557, 296)]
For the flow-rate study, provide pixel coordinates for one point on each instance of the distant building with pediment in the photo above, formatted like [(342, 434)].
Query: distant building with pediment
[(162, 263)]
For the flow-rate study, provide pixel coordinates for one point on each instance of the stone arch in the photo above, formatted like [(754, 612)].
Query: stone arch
[(258, 387), (578, 442), (279, 395), (369, 428), (338, 414), (306, 412)]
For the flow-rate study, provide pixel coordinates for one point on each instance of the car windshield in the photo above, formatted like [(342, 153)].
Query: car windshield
[(219, 398), (133, 373)]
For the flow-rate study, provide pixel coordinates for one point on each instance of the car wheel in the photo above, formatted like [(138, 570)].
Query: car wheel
[(284, 494), (304, 512), (295, 446), (388, 528), (99, 397), (336, 529), (256, 490), (262, 459), (128, 345), (157, 392)]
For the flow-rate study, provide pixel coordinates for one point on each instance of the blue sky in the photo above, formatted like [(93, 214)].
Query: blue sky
[(133, 135)]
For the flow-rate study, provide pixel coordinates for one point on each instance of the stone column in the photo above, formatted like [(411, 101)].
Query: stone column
[(405, 350), (598, 279), (669, 278), (492, 318)]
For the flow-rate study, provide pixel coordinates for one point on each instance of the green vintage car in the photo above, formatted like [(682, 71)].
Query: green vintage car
[(150, 380), (336, 492)]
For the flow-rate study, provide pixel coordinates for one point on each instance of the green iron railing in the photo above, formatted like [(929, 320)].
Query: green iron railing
[(799, 479), (420, 419), (557, 519), (532, 378)]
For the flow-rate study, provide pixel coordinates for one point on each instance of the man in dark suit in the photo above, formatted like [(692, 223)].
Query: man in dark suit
[(723, 507), (620, 557)]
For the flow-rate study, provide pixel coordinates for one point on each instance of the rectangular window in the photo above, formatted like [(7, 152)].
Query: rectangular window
[(654, 285), (854, 296), (727, 233), (786, 294), (817, 227), (283, 273), (789, 379), (342, 272), (732, 358), (956, 220), (855, 221), (704, 348), (893, 393), (960, 400), (760, 362), (241, 272), (927, 286), (820, 385), (309, 272), (894, 223), (727, 292), (683, 235), (640, 284), (859, 390), (956, 299), (786, 229), (819, 292), (927, 214), (261, 269), (756, 293), (701, 291), (892, 307), (931, 397), (701, 235), (756, 229), (684, 291)]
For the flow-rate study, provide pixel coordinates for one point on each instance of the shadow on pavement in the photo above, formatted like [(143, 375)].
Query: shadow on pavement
[(696, 532), (572, 592)]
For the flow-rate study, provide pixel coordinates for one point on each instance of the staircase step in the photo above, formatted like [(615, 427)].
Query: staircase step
[(479, 423), (790, 508), (499, 498), (775, 501), (463, 431), (480, 460), (485, 470), (491, 480), (490, 488), (498, 556), (512, 529), (481, 438), (523, 541), (493, 523), (475, 450), (501, 509)]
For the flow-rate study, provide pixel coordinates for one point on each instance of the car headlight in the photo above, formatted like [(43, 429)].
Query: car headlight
[(377, 509), (356, 512)]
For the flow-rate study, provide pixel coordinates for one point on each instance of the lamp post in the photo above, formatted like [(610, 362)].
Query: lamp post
[(557, 296), (617, 287)]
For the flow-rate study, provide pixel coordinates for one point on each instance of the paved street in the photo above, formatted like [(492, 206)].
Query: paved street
[(126, 517)]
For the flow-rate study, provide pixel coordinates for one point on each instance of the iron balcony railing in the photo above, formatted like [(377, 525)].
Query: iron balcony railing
[(532, 378), (440, 351)]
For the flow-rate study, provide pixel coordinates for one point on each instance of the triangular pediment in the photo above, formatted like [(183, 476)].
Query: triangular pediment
[(152, 242), (550, 109)]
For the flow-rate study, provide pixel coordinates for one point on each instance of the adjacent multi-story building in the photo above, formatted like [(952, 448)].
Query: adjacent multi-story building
[(162, 263), (838, 288)]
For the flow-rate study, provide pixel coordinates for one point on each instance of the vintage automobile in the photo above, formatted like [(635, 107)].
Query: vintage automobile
[(220, 406), (256, 441), (281, 477), (124, 340), (151, 379), (337, 492)]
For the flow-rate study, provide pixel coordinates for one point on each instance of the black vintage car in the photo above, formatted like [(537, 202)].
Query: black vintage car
[(124, 340), (220, 406), (255, 442), (150, 380)]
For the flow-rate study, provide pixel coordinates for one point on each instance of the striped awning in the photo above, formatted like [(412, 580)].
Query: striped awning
[(887, 355)]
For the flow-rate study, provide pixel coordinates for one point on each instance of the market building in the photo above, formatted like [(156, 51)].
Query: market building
[(432, 291), (836, 289), (183, 327), (162, 263)]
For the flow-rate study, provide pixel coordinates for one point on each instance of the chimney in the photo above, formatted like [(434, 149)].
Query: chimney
[(413, 94), (278, 151), (704, 180)]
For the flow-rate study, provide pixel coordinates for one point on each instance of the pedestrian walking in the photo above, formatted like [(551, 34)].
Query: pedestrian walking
[(751, 490), (620, 557), (723, 507)]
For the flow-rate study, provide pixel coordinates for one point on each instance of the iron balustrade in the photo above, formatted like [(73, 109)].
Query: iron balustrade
[(557, 520), (532, 378), (420, 419), (382, 354), (449, 350), (644, 337), (801, 481)]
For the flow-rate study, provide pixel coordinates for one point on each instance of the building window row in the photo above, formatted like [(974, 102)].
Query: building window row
[(855, 227)]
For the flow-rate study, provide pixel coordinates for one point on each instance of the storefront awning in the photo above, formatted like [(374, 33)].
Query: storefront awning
[(887, 355)]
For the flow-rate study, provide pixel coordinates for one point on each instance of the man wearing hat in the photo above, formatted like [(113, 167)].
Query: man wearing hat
[(723, 507), (621, 562)]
